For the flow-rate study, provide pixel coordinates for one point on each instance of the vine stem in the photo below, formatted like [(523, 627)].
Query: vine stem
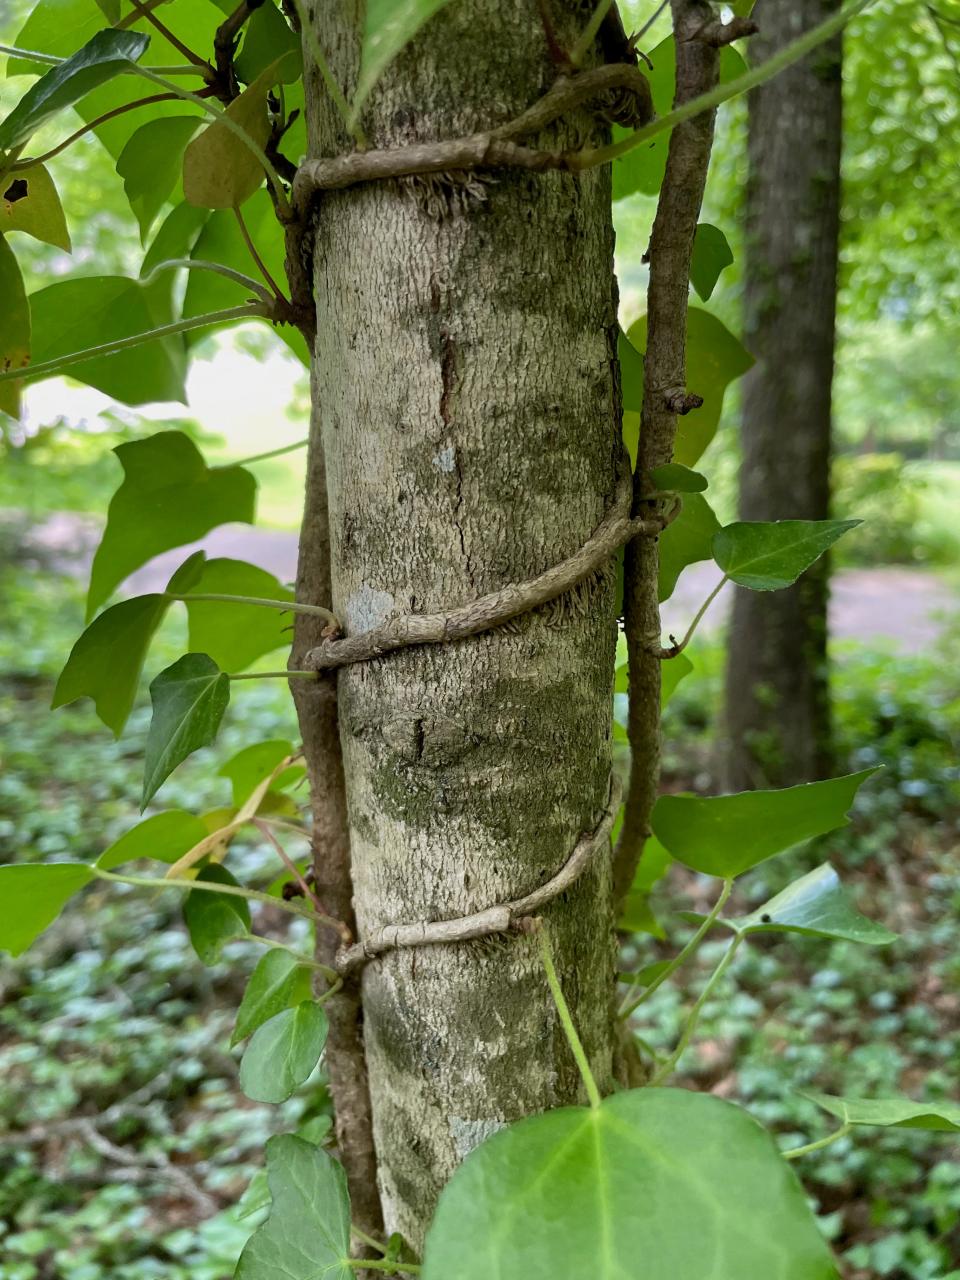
[(795, 1152), (566, 1020), (29, 161), (682, 956), (59, 363), (283, 204), (668, 1067), (286, 606)]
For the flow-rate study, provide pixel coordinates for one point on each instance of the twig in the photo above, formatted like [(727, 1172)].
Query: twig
[(616, 528), (225, 46), (29, 161), (494, 920), (146, 11)]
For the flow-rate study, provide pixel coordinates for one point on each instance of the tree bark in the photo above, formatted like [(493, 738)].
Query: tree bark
[(467, 392), (777, 697)]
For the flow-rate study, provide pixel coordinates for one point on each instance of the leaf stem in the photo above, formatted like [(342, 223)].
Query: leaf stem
[(257, 260), (367, 1240), (330, 974), (201, 264), (52, 60), (378, 1264), (795, 1152), (146, 11), (29, 161), (275, 675), (757, 75), (329, 79), (286, 606), (688, 635), (682, 956), (273, 453), (589, 33), (668, 1067), (566, 1020), (58, 363)]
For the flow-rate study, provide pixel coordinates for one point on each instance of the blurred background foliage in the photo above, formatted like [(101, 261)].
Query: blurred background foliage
[(125, 1142)]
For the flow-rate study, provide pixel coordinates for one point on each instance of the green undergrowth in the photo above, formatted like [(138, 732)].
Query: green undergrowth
[(112, 1013)]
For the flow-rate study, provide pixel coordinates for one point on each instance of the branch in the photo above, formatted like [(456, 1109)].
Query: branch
[(664, 394), (493, 920), (616, 529), (59, 363)]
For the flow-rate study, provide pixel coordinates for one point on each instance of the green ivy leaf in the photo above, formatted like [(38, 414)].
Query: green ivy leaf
[(257, 1194), (175, 238), (691, 1184), (106, 662), (31, 204), (886, 1113), (32, 896), (104, 56), (248, 768), (168, 497), (631, 373), (235, 635), (14, 328), (189, 699), (308, 1231), (72, 315), (267, 39), (769, 555), (150, 165), (214, 919), (164, 836), (389, 25), (818, 906), (688, 539), (672, 477), (727, 835), (278, 982), (637, 915), (672, 671), (711, 254), (283, 1052)]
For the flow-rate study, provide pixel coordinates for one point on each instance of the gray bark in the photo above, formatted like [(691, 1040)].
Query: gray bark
[(466, 388), (777, 699)]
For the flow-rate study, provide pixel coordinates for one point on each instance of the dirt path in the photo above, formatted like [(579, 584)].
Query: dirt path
[(908, 607)]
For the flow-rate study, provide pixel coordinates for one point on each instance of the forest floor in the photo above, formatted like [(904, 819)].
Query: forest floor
[(904, 605)]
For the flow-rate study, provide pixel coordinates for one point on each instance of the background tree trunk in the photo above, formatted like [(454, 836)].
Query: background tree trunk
[(777, 698), (467, 391)]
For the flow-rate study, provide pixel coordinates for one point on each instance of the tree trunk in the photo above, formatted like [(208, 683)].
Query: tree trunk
[(777, 700), (467, 394)]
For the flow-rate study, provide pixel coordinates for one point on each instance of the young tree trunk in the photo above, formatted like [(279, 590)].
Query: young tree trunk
[(467, 395), (777, 704)]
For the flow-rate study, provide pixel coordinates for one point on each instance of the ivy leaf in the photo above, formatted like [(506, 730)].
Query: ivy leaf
[(189, 699), (769, 555), (278, 982), (631, 373), (150, 165), (727, 835), (219, 170), (308, 1231), (248, 768), (235, 635), (32, 897), (168, 497), (688, 539), (164, 836), (711, 254), (818, 906), (31, 204), (691, 1184), (672, 477), (637, 916), (104, 56), (268, 39), (106, 662), (672, 671), (283, 1052), (886, 1113), (14, 328), (214, 919), (72, 315), (389, 25)]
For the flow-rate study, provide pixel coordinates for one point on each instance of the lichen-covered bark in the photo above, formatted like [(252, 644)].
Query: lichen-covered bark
[(467, 393), (777, 715)]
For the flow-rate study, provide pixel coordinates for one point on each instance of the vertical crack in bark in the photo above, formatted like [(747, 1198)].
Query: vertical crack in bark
[(317, 712), (664, 370)]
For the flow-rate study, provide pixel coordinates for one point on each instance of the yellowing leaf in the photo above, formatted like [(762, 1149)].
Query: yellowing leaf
[(31, 204), (14, 327), (219, 169)]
